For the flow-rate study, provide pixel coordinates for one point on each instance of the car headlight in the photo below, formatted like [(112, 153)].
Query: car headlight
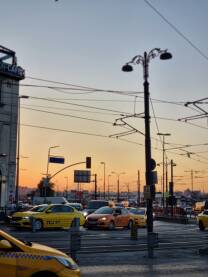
[(67, 262), (85, 213), (103, 218), (26, 217)]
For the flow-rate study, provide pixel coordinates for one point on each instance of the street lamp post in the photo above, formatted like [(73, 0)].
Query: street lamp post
[(67, 186), (18, 149), (163, 176), (118, 184), (103, 179), (144, 61), (47, 170), (109, 186)]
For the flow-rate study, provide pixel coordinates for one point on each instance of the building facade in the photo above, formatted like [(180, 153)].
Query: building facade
[(10, 75)]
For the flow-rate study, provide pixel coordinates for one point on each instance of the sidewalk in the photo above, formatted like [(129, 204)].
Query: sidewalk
[(166, 263)]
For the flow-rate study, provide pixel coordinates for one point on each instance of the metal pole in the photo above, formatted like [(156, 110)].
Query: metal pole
[(171, 186), (18, 156), (147, 152), (95, 186), (138, 196), (192, 180), (118, 188), (108, 187), (163, 177), (166, 180), (104, 180)]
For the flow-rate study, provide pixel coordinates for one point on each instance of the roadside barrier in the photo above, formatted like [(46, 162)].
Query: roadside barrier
[(133, 232)]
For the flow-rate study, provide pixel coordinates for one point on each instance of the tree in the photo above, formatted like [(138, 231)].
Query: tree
[(46, 188)]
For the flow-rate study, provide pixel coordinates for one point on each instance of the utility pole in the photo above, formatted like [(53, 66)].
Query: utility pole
[(95, 186), (171, 185), (163, 176), (192, 178), (138, 186), (166, 180)]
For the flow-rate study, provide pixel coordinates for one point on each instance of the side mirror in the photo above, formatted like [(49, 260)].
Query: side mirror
[(48, 211), (5, 244)]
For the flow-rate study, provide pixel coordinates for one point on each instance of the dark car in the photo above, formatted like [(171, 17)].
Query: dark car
[(93, 205)]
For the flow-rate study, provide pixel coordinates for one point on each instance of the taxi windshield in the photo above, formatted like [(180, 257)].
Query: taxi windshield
[(104, 210), (136, 211), (40, 208)]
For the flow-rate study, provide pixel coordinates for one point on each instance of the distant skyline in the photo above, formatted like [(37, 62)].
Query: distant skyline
[(85, 44)]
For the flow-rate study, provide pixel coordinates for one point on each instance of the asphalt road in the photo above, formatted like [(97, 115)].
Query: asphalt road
[(113, 253)]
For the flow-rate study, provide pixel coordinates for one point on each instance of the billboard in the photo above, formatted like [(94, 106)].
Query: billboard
[(82, 176)]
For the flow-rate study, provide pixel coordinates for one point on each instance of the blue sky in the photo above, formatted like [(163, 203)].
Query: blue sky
[(86, 43)]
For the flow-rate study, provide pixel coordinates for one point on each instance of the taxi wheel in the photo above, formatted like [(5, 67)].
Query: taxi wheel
[(130, 224), (111, 225), (38, 225), (201, 226)]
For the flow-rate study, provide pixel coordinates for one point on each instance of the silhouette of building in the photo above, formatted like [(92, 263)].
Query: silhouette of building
[(10, 75)]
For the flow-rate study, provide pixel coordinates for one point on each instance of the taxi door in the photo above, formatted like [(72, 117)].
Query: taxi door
[(118, 217), (8, 260), (68, 214), (125, 217), (53, 217)]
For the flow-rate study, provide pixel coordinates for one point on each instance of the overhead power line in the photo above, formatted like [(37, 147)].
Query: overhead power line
[(177, 30)]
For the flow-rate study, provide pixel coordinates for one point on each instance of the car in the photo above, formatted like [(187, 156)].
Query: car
[(93, 205), (139, 215), (27, 259), (198, 207), (77, 206), (202, 220), (189, 211), (110, 218), (47, 216)]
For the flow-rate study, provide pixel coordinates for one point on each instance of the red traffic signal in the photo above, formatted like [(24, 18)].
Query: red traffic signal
[(88, 162)]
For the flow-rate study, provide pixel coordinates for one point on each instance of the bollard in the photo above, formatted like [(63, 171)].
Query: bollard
[(75, 238), (32, 222), (134, 231), (152, 242)]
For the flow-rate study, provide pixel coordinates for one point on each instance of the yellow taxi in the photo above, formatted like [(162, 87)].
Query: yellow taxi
[(27, 259), (47, 216), (202, 220), (139, 215)]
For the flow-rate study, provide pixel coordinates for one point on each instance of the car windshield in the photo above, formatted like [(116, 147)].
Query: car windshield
[(104, 210), (138, 211), (96, 205), (40, 208)]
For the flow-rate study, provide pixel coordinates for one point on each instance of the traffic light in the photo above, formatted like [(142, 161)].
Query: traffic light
[(88, 162)]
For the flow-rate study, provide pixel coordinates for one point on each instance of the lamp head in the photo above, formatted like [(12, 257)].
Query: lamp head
[(127, 68), (166, 56)]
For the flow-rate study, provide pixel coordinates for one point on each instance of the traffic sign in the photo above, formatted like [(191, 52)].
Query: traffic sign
[(82, 176), (56, 159)]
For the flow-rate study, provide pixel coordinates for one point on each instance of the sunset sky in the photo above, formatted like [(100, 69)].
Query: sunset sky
[(80, 47)]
